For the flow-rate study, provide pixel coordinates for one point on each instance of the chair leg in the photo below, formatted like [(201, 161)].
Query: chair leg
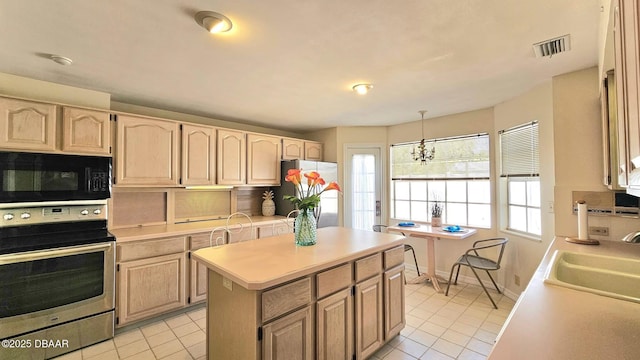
[(446, 293), (494, 283), (484, 288), (415, 260), (455, 282)]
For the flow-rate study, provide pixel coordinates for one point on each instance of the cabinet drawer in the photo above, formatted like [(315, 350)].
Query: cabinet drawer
[(368, 267), (330, 281), (285, 298), (199, 241), (150, 248), (393, 257)]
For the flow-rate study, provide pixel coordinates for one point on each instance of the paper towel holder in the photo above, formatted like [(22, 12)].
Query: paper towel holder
[(580, 239), (582, 242)]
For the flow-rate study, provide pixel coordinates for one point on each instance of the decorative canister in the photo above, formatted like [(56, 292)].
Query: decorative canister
[(268, 205)]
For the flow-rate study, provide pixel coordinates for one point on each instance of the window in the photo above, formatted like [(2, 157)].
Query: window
[(520, 166), (457, 177)]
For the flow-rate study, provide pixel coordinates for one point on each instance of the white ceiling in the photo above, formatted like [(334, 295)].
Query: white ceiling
[(290, 64)]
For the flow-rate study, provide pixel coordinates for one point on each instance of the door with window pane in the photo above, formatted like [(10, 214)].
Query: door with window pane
[(363, 190)]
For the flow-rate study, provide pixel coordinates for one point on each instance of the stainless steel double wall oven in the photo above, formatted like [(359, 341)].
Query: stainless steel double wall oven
[(57, 259)]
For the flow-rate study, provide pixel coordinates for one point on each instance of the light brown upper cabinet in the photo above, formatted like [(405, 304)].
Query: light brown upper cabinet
[(86, 131), (312, 150), (263, 159), (292, 149), (232, 157), (627, 78), (27, 125), (198, 155), (146, 151)]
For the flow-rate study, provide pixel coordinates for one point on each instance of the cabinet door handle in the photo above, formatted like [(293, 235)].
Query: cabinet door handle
[(378, 207)]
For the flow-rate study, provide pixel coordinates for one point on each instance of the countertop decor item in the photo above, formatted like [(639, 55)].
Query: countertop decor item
[(306, 201), (268, 206), (436, 214)]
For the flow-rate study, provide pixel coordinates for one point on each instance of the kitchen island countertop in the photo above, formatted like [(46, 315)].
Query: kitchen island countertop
[(553, 322), (259, 264)]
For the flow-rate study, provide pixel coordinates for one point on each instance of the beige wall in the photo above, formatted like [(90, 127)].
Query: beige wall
[(524, 253), (23, 87)]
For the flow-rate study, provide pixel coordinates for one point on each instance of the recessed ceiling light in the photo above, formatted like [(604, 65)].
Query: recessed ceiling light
[(61, 60), (213, 22), (362, 89)]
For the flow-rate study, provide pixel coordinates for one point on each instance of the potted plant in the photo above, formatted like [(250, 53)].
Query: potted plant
[(436, 214)]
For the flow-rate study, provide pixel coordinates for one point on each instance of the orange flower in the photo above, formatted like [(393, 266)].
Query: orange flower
[(309, 197), (333, 186), (293, 175), (312, 178)]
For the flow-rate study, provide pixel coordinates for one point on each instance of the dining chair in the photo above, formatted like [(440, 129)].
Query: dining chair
[(474, 260), (234, 230), (407, 247)]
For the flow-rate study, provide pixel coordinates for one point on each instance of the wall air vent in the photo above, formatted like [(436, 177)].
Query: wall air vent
[(552, 46)]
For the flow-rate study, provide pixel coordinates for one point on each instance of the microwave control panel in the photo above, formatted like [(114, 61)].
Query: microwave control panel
[(50, 214)]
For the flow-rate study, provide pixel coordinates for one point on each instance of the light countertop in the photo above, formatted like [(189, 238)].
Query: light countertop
[(553, 322), (262, 263), (154, 231)]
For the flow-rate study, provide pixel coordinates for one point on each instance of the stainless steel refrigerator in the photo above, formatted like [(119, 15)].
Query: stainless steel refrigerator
[(327, 212)]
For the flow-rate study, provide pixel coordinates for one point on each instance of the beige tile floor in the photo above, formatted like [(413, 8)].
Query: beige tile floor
[(463, 325)]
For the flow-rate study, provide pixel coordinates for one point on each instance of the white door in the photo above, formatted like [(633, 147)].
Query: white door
[(363, 186)]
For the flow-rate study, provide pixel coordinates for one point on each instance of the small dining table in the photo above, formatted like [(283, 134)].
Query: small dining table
[(431, 234)]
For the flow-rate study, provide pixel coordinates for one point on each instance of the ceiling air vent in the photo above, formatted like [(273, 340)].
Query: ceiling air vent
[(552, 46)]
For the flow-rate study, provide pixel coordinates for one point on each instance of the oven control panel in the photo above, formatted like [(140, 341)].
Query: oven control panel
[(50, 214)]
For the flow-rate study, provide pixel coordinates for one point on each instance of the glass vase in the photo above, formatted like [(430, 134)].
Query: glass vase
[(305, 228)]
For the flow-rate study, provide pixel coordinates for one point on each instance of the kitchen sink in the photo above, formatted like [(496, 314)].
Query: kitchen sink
[(615, 277)]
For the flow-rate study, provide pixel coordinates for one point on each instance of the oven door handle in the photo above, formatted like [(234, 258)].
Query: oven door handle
[(44, 254)]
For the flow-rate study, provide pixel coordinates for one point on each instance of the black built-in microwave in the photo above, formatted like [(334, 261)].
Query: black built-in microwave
[(35, 177)]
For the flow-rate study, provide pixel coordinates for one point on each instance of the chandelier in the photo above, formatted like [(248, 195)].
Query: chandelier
[(421, 152)]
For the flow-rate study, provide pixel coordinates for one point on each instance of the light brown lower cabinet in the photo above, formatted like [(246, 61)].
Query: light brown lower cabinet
[(149, 287), (290, 337), (369, 320), (197, 271), (394, 319), (335, 326), (158, 275)]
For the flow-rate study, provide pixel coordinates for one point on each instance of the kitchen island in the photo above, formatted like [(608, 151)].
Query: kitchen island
[(271, 299)]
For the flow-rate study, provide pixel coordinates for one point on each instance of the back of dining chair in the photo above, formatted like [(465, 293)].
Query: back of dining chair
[(481, 256), (240, 227), (486, 247), (407, 247), (380, 228)]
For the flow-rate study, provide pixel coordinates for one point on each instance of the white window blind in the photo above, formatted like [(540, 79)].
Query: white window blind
[(519, 151), (463, 157)]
